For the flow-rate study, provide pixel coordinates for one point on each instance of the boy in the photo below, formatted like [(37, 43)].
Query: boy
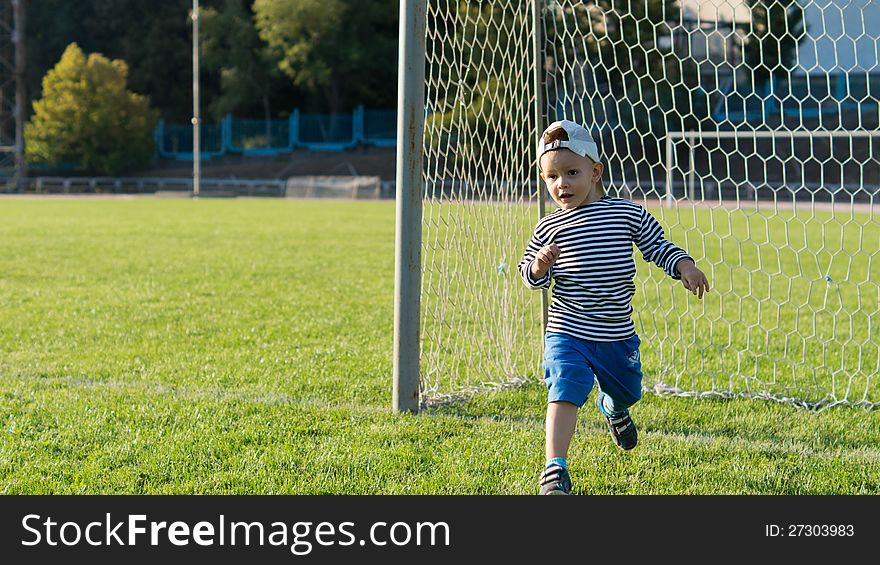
[(586, 248)]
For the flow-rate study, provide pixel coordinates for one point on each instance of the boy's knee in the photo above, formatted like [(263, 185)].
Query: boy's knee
[(566, 390), (623, 398), (632, 396), (567, 381), (636, 395)]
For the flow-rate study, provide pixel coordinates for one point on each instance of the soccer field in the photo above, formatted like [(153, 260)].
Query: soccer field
[(244, 346)]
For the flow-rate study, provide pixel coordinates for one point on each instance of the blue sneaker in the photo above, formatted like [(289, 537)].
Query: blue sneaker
[(555, 480), (621, 426)]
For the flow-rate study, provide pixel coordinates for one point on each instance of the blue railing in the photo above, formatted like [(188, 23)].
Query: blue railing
[(317, 132)]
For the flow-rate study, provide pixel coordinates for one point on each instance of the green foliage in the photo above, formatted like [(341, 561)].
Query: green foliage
[(231, 46), (605, 63), (476, 133), (479, 56), (87, 116), (238, 72), (635, 82), (341, 51), (153, 37)]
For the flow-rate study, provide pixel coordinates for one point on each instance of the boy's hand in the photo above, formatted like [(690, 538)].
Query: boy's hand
[(692, 278), (544, 259)]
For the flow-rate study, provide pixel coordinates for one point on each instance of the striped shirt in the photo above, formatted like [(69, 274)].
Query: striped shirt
[(595, 269)]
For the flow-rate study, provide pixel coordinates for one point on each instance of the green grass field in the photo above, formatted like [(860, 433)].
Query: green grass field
[(244, 346)]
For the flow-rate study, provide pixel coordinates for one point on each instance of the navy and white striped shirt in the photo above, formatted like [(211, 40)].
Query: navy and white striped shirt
[(595, 269)]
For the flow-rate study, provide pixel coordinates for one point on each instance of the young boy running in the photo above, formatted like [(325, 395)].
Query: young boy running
[(586, 248)]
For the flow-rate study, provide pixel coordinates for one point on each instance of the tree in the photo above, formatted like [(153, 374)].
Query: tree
[(87, 116), (341, 51), (478, 54), (232, 47), (153, 38), (615, 54)]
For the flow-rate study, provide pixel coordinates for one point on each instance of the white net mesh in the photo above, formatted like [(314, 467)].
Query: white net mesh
[(480, 328), (748, 128)]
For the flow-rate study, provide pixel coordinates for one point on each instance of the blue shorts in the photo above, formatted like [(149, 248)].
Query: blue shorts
[(571, 364)]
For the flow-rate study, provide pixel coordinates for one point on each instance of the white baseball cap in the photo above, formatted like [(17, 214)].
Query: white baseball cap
[(579, 140)]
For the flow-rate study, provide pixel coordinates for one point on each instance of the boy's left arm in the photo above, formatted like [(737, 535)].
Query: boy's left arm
[(652, 242)]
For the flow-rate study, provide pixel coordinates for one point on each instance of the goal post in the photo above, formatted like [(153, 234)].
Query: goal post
[(407, 261)]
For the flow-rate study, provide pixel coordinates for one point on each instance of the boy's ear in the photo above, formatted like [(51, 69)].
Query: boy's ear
[(598, 169)]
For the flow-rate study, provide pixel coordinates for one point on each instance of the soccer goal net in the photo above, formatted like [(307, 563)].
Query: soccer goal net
[(748, 128)]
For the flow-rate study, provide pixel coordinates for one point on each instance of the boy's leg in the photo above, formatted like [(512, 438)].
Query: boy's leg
[(561, 422), (569, 379), (618, 370)]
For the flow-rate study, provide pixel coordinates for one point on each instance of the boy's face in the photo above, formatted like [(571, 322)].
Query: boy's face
[(572, 180)]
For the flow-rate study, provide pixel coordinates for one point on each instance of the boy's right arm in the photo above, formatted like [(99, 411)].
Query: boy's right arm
[(536, 263), (544, 259)]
